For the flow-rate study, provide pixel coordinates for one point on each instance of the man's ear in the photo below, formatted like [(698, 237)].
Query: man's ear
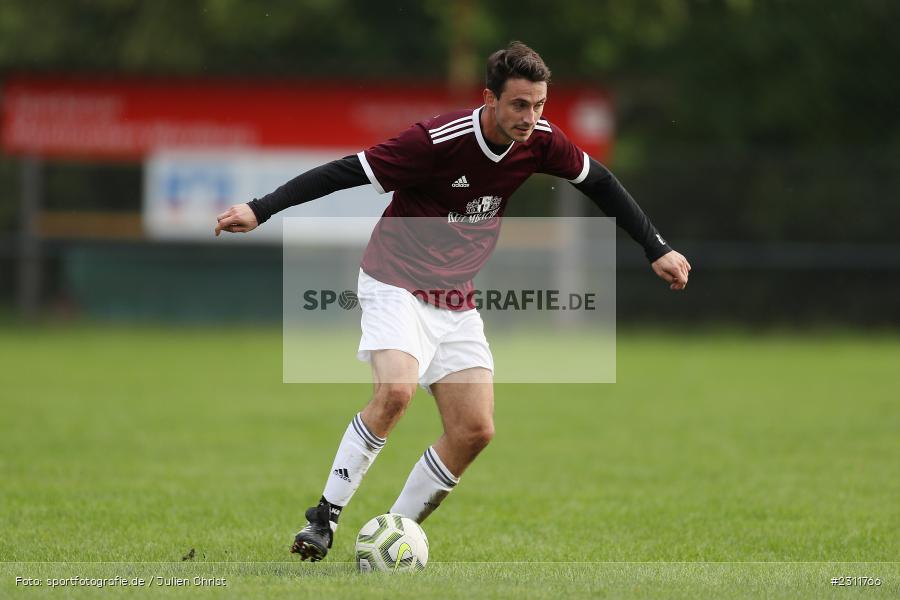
[(490, 100)]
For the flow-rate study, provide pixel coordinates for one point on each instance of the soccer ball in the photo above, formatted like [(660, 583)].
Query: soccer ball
[(391, 543)]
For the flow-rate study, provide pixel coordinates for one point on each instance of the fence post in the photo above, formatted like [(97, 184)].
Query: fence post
[(28, 289)]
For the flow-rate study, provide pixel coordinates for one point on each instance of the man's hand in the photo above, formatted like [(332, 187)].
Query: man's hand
[(237, 219), (674, 268)]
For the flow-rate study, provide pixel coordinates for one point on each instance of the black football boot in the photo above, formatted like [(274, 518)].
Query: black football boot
[(314, 540)]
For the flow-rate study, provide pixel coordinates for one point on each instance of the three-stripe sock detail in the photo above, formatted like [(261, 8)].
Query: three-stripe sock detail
[(370, 439), (437, 468), (429, 482)]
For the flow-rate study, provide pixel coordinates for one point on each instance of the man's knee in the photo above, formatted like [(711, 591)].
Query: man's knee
[(476, 436), (393, 398)]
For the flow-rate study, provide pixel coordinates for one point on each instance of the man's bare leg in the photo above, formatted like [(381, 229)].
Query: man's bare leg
[(395, 375), (466, 402)]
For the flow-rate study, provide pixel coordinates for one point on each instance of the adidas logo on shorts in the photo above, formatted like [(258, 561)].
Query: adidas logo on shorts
[(461, 182)]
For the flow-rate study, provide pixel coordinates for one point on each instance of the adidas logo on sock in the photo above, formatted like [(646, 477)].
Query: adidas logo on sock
[(343, 474), (461, 182)]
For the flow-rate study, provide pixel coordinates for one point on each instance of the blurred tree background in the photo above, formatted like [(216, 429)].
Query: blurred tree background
[(737, 120), (738, 72)]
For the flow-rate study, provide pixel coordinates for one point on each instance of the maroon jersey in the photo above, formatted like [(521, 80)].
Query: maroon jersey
[(450, 192)]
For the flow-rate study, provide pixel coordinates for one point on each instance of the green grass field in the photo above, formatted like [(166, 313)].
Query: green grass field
[(720, 465)]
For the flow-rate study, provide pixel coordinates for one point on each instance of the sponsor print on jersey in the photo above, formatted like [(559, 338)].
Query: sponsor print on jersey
[(479, 209)]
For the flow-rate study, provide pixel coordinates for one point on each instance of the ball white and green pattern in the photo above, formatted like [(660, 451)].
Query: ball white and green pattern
[(391, 543)]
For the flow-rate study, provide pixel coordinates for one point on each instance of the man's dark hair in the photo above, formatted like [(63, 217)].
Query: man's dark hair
[(515, 61)]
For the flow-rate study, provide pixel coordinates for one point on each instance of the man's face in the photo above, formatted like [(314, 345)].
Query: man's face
[(518, 108)]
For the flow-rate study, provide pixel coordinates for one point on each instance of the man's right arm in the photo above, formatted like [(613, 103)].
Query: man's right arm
[(337, 175)]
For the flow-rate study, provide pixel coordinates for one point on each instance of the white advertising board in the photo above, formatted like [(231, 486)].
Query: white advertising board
[(185, 190)]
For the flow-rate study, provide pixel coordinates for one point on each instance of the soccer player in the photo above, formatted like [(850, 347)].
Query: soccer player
[(458, 169)]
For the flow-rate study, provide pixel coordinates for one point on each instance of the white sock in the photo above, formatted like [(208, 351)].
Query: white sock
[(428, 484), (355, 455)]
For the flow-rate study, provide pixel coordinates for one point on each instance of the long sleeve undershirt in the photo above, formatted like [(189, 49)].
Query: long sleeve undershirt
[(600, 186), (337, 175), (613, 199)]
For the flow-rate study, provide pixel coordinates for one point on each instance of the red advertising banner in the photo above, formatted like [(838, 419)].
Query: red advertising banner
[(127, 119)]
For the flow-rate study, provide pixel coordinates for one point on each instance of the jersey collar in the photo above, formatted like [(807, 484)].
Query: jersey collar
[(476, 122)]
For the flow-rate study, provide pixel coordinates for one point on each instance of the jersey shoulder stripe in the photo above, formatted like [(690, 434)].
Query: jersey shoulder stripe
[(543, 125), (451, 129), (450, 124), (452, 135)]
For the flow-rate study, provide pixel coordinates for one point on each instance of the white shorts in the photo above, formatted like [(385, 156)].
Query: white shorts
[(443, 341)]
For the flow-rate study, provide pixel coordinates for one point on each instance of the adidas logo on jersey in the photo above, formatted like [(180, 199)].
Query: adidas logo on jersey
[(343, 474), (461, 182)]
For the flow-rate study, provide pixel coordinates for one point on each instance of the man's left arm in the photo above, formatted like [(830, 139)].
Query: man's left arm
[(602, 187)]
